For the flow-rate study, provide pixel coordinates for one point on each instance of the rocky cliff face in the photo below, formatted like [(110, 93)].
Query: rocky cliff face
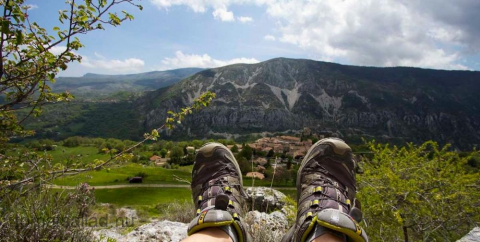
[(407, 104)]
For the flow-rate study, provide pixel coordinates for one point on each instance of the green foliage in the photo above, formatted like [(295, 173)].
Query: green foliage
[(27, 70), (41, 215), (176, 155), (424, 189), (163, 152), (244, 164), (42, 145), (179, 211), (29, 65), (234, 149), (290, 210), (270, 153), (189, 159), (142, 174), (246, 152)]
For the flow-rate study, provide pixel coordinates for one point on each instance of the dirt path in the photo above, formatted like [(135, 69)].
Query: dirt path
[(144, 185)]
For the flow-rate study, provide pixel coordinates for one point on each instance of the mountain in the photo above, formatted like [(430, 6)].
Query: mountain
[(395, 104), (96, 85)]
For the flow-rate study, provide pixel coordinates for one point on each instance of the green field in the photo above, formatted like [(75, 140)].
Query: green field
[(118, 175), (142, 195), (80, 154), (135, 196), (150, 196)]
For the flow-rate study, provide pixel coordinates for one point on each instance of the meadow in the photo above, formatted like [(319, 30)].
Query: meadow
[(144, 198), (119, 174)]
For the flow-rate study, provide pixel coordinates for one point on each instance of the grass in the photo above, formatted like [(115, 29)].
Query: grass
[(291, 193), (118, 175), (80, 154), (142, 195)]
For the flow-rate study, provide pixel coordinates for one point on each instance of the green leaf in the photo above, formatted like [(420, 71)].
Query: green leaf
[(5, 27), (18, 37)]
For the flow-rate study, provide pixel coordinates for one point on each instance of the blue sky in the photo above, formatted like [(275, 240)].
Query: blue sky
[(171, 34)]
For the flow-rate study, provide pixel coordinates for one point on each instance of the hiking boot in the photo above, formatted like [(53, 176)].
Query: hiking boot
[(217, 192), (326, 191)]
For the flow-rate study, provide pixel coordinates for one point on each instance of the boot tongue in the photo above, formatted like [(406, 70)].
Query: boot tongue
[(221, 202)]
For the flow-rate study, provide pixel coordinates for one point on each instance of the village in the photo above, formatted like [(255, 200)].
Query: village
[(257, 158)]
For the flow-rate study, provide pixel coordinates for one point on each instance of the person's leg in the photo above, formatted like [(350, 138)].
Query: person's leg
[(327, 209), (328, 238), (218, 196), (210, 235)]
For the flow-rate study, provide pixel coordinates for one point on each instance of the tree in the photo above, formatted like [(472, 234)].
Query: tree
[(246, 152), (28, 63), (28, 67), (245, 165), (421, 193), (234, 149), (268, 164), (176, 155), (163, 152), (270, 153)]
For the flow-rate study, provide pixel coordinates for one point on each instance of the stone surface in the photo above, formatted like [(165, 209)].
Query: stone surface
[(473, 236), (265, 198), (266, 227), (273, 221), (166, 231)]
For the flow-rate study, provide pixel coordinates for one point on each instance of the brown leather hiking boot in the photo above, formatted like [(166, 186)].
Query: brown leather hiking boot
[(326, 191), (217, 192)]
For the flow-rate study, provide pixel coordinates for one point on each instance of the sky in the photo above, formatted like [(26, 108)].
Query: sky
[(170, 34)]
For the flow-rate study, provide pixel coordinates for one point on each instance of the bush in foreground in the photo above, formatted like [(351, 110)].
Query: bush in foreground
[(43, 215), (421, 193)]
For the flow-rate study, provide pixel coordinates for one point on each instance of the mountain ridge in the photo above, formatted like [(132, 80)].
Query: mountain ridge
[(100, 85), (410, 104)]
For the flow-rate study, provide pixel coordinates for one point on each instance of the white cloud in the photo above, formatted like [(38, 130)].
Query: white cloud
[(103, 65), (269, 37), (223, 14), (195, 5), (387, 33), (32, 6), (244, 19), (57, 50), (182, 60), (436, 34)]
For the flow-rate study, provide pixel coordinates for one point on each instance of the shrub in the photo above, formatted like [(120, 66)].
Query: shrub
[(423, 193), (44, 215), (179, 211), (142, 175)]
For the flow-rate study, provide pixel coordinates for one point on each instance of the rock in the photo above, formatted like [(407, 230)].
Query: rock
[(156, 231), (473, 236), (265, 198), (266, 227), (128, 213), (274, 221)]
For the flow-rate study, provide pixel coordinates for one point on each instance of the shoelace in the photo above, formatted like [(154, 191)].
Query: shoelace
[(225, 188)]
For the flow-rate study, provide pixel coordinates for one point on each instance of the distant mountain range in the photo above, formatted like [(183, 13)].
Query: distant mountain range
[(95, 85), (391, 104)]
